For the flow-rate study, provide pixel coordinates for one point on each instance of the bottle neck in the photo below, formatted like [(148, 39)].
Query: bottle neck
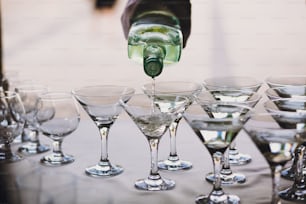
[(153, 60)]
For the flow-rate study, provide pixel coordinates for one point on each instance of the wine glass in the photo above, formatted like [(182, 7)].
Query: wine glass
[(220, 87), (179, 88), (285, 80), (102, 104), (216, 134), (275, 143), (221, 109), (29, 94), (291, 114), (153, 121), (11, 124), (58, 116)]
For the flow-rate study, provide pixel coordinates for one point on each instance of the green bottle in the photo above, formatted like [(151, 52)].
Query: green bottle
[(155, 39)]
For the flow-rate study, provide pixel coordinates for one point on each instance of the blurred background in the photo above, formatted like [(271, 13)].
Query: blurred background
[(71, 43)]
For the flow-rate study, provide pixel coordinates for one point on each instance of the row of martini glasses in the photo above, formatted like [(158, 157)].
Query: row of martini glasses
[(222, 110)]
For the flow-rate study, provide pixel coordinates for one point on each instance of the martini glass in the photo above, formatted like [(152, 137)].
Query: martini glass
[(220, 109), (291, 114), (288, 91), (102, 104), (276, 144), (221, 88), (29, 94), (284, 86), (11, 124), (153, 121), (216, 134), (179, 88)]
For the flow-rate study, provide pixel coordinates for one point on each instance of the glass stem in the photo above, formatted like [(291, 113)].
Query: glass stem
[(57, 147), (154, 158), (217, 161), (104, 136), (299, 181), (173, 129), (275, 183), (233, 146), (226, 169)]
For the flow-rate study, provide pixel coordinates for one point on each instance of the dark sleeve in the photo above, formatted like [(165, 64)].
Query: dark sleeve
[(180, 8)]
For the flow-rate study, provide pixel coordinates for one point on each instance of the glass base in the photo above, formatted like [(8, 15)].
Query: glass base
[(174, 165), (230, 179), (10, 158), (160, 184), (104, 169), (31, 148), (239, 159), (293, 194), (226, 199), (56, 160)]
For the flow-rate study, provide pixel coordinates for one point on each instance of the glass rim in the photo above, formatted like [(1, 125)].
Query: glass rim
[(196, 84), (256, 84), (8, 94), (275, 84), (76, 90)]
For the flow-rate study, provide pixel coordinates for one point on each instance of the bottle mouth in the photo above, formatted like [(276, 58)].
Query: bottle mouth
[(153, 66)]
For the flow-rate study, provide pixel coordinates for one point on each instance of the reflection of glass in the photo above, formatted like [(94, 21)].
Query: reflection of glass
[(178, 88), (101, 103), (29, 94), (58, 116), (220, 109), (153, 122), (275, 144), (11, 124), (216, 134), (290, 113)]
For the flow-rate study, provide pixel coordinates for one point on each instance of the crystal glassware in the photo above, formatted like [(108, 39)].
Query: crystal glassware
[(220, 87), (29, 94), (291, 114), (11, 124), (221, 109), (58, 116), (153, 121), (102, 104), (276, 144), (216, 134), (178, 88)]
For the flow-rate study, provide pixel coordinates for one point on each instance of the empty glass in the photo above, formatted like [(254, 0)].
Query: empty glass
[(102, 104), (226, 89), (58, 116), (276, 144), (11, 124), (29, 94)]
